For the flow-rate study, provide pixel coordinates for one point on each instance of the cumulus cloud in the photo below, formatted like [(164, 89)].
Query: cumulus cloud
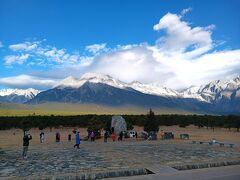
[(27, 46), (179, 59), (43, 55), (181, 37), (95, 48), (19, 59), (24, 81), (184, 56), (148, 64)]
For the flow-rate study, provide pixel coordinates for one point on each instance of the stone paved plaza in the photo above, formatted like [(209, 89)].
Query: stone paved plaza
[(62, 158)]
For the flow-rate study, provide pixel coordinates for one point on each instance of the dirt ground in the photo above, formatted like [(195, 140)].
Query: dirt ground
[(13, 138)]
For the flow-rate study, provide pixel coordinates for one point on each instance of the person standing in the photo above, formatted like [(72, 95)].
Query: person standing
[(92, 135), (162, 135), (26, 138), (120, 136), (69, 137), (41, 137), (105, 136), (113, 136), (77, 140), (57, 137)]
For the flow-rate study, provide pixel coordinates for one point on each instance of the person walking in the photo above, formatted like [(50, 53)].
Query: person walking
[(26, 138), (77, 140)]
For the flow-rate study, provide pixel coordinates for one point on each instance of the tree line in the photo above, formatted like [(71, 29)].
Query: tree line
[(104, 121)]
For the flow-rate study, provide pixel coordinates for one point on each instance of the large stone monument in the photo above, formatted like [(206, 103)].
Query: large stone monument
[(119, 124)]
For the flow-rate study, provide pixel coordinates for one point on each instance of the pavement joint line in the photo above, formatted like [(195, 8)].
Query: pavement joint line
[(205, 165)]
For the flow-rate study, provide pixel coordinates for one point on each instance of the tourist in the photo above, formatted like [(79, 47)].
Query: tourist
[(214, 141), (57, 137), (26, 138), (113, 136), (120, 136), (77, 140), (136, 135), (41, 137), (69, 137), (162, 135), (92, 135), (105, 136)]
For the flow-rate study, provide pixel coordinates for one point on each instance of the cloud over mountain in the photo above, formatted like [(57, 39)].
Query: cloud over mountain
[(185, 55)]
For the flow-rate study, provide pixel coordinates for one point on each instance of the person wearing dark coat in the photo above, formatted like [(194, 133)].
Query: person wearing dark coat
[(26, 138), (105, 136)]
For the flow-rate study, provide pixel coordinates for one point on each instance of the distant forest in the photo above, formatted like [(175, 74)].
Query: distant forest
[(103, 121)]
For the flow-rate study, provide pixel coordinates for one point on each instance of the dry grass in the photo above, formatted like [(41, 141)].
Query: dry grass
[(13, 138), (10, 109)]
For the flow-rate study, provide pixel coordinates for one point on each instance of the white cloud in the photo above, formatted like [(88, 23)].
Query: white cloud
[(95, 48), (24, 81), (127, 65), (184, 56), (148, 64), (27, 46), (182, 38), (1, 44), (19, 59), (44, 55), (185, 11)]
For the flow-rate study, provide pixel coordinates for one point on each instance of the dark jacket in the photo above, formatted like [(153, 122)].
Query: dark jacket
[(26, 140)]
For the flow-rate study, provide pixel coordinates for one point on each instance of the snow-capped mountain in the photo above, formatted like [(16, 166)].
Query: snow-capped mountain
[(220, 96), (192, 92), (215, 91), (154, 89), (92, 78), (17, 95)]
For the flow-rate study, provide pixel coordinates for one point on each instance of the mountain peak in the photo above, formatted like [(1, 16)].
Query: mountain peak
[(88, 76), (69, 81), (28, 93), (92, 78)]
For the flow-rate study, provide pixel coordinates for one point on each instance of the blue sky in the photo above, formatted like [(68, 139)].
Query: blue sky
[(45, 41)]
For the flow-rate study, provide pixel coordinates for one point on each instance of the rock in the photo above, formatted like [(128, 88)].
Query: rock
[(119, 124)]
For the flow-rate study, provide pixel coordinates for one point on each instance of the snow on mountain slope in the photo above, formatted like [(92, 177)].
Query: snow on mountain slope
[(93, 78), (215, 90), (28, 93), (192, 92), (154, 89), (211, 92)]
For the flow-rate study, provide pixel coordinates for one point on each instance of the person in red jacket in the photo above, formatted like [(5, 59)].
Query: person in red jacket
[(113, 136)]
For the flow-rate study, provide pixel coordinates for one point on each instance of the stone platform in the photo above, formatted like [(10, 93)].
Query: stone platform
[(58, 159)]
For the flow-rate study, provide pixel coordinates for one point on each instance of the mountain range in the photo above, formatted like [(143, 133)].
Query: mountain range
[(17, 95), (218, 97)]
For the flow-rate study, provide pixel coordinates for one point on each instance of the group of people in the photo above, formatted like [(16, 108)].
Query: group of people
[(113, 136), (92, 135), (27, 137)]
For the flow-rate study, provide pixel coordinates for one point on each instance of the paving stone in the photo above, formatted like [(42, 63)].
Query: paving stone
[(57, 159)]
